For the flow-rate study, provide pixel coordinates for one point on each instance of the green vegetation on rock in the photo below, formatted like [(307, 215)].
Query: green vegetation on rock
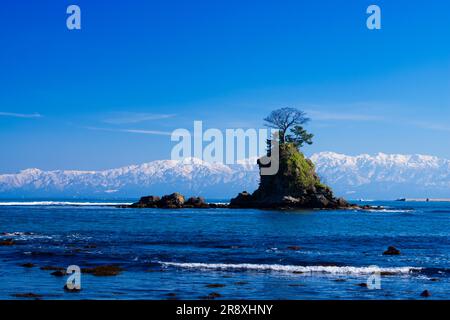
[(296, 183)]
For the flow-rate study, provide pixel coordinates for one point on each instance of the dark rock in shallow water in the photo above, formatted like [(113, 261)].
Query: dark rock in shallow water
[(392, 251), (52, 268), (103, 270), (7, 242), (362, 285), (425, 294), (27, 295), (294, 248), (58, 273), (28, 265), (211, 296), (215, 285)]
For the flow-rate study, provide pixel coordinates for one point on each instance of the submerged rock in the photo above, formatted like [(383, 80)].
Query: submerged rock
[(7, 242), (215, 285), (52, 268), (212, 296), (425, 294), (27, 295), (362, 285), (28, 265), (391, 251), (109, 270)]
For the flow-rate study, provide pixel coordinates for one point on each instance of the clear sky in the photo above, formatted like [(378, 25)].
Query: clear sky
[(104, 96)]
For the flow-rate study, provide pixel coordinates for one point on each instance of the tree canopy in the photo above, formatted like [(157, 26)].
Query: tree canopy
[(292, 119)]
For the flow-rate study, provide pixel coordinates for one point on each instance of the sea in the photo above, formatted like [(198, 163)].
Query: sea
[(225, 253)]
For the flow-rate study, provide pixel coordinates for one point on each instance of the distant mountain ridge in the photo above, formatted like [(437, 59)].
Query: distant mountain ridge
[(380, 176), (385, 176)]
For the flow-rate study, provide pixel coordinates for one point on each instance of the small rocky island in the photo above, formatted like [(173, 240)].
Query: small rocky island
[(295, 185)]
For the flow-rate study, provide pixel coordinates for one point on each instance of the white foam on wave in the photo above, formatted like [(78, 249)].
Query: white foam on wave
[(391, 210), (62, 203), (292, 268)]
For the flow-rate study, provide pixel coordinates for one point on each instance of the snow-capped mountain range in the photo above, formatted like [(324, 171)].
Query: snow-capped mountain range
[(379, 176)]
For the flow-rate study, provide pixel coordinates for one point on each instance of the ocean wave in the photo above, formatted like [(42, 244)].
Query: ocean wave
[(18, 235), (391, 210), (292, 268), (62, 203)]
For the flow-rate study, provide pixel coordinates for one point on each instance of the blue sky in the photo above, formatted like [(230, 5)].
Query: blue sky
[(105, 96)]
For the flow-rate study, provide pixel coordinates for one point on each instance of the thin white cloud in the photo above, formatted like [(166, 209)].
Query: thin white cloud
[(138, 131), (431, 126), (20, 115), (154, 132), (131, 117)]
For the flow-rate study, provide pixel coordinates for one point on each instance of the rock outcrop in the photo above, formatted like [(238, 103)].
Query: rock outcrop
[(391, 251), (295, 185), (174, 201)]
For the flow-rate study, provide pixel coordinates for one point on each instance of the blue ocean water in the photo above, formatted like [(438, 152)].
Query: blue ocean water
[(243, 254)]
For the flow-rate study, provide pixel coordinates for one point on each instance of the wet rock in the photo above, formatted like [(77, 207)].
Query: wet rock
[(391, 251), (294, 248), (425, 294), (7, 242), (58, 273), (387, 273), (147, 202), (243, 200), (172, 296), (289, 201), (241, 283), (28, 265), (341, 202), (215, 285), (297, 272), (52, 268), (362, 285), (27, 295), (172, 201), (109, 270), (196, 202), (211, 296)]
